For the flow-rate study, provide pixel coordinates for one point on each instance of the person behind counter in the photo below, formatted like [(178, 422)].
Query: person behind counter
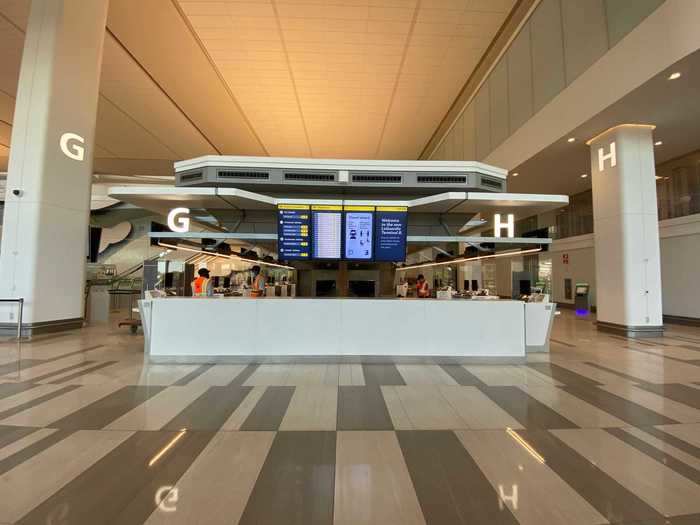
[(422, 287), (258, 284), (202, 285)]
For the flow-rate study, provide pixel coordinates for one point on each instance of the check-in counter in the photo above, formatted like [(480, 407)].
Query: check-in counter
[(207, 330)]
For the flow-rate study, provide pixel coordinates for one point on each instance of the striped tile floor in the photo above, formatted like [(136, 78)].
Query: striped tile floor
[(601, 430)]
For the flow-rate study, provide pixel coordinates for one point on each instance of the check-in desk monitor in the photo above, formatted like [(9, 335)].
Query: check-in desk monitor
[(294, 232), (359, 235), (327, 236), (391, 225)]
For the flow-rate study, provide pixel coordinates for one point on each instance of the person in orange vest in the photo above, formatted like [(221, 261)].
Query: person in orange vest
[(422, 287), (258, 283), (202, 285)]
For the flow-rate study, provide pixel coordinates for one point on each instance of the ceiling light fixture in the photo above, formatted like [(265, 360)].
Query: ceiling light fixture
[(674, 76), (571, 139), (468, 259), (514, 174), (658, 143), (584, 176)]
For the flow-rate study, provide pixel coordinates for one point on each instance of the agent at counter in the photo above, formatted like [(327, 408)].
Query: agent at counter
[(258, 284), (202, 285), (422, 287)]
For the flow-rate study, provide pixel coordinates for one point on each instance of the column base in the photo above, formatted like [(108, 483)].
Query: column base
[(630, 330), (42, 327)]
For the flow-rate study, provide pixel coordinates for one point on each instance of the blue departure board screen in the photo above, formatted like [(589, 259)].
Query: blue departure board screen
[(327, 228), (391, 225), (359, 234), (293, 232)]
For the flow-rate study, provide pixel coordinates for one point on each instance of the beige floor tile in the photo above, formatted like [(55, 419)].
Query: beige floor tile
[(689, 433), (572, 408), (44, 474), (312, 375), (662, 405), (217, 375), (28, 395), (312, 408), (28, 374), (665, 447), (269, 375), (216, 488), (425, 375), (499, 375), (159, 409), (427, 408), (533, 492), (44, 414), (372, 484), (665, 490), (26, 441), (476, 409), (351, 375), (399, 417)]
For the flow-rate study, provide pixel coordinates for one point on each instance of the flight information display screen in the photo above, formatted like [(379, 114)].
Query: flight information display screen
[(390, 233), (359, 233), (293, 232), (327, 238)]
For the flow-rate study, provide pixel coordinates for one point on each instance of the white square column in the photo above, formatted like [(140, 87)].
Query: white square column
[(47, 208), (628, 268)]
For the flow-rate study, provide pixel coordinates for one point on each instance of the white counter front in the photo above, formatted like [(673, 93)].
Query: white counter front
[(201, 330)]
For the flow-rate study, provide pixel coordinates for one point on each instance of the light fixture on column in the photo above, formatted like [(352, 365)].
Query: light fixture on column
[(658, 143), (571, 139), (674, 76), (584, 176)]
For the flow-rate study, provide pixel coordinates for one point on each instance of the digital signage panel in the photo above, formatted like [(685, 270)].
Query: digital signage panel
[(359, 233), (327, 227), (391, 225), (293, 232)]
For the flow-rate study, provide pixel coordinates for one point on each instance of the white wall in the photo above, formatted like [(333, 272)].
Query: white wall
[(580, 268), (680, 263), (680, 260)]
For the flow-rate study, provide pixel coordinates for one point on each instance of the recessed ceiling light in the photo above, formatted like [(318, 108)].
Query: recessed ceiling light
[(571, 139), (674, 76), (585, 175), (658, 143), (514, 174)]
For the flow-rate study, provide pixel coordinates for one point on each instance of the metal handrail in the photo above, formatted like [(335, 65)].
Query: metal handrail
[(20, 301)]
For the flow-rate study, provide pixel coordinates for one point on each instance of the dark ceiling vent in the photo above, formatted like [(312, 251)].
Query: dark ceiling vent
[(441, 179), (377, 179), (491, 183), (244, 175), (188, 177), (310, 177)]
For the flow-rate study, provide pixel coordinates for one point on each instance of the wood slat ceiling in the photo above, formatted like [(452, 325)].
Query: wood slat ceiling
[(322, 78)]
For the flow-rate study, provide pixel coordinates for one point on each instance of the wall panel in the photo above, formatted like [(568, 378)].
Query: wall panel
[(482, 122), (548, 76), (585, 35), (498, 88), (520, 80), (469, 133), (625, 15)]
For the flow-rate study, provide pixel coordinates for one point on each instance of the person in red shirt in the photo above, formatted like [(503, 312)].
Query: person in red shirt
[(422, 287)]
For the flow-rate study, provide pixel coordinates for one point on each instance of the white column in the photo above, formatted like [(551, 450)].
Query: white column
[(628, 271), (48, 185)]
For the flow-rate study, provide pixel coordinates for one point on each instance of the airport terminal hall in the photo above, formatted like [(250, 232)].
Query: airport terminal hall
[(350, 262)]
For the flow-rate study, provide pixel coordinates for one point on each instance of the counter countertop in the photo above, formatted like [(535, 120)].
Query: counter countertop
[(337, 298)]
